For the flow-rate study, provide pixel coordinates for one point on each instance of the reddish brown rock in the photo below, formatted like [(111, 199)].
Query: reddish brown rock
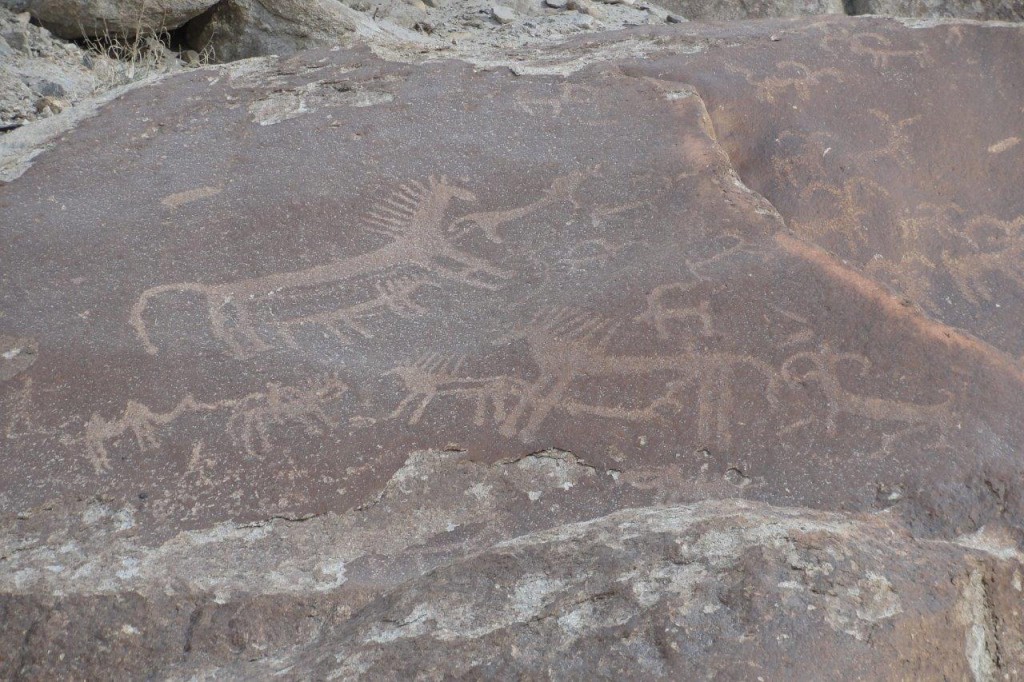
[(237, 328)]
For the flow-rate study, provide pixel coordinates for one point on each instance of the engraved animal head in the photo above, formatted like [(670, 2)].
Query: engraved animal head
[(822, 365), (448, 191)]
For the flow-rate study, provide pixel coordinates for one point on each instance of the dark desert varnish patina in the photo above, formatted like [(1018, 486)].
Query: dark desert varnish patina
[(263, 300)]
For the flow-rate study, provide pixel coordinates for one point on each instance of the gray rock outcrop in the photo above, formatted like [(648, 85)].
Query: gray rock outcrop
[(1003, 10), (95, 18)]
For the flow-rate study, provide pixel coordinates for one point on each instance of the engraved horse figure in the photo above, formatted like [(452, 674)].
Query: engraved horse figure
[(414, 216)]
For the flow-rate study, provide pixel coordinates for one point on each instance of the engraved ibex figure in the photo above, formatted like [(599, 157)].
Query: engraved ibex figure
[(823, 366), (414, 217)]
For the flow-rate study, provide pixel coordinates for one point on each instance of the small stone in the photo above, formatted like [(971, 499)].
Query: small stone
[(502, 14), (774, 38), (17, 39), (674, 19), (435, 3), (50, 105), (556, 4)]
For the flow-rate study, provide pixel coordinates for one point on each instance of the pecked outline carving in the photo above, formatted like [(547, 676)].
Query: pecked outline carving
[(413, 217), (248, 418)]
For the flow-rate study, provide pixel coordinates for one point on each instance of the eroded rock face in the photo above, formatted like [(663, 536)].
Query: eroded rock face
[(91, 18), (1004, 10), (42, 76), (726, 10), (342, 321), (238, 29), (626, 595)]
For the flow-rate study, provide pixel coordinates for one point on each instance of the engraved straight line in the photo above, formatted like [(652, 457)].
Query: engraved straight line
[(927, 327)]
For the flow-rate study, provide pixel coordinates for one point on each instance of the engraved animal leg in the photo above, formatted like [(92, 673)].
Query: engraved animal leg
[(543, 405), (137, 316), (242, 336)]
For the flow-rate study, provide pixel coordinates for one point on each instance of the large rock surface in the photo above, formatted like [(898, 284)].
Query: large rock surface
[(280, 338), (725, 10), (720, 590)]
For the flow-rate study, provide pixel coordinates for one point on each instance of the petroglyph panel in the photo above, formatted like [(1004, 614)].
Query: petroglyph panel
[(917, 186), (496, 265)]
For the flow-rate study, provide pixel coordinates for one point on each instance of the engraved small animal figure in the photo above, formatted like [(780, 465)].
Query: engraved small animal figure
[(253, 416), (433, 376)]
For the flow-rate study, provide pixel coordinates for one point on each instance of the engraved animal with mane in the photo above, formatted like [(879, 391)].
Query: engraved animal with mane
[(415, 217)]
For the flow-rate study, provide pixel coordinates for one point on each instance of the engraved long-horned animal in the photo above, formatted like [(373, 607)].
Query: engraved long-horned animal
[(414, 216), (822, 366)]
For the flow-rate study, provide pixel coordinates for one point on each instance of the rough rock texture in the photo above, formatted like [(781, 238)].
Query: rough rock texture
[(41, 75), (723, 10), (718, 590), (237, 29), (91, 18), (1005, 10), (279, 368)]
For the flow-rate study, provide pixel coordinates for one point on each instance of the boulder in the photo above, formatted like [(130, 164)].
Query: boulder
[(99, 18), (237, 29)]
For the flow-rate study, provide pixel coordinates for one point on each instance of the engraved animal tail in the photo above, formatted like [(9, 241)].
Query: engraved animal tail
[(139, 309)]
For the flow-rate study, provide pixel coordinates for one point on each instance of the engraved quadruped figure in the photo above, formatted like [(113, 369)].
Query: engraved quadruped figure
[(415, 218), (434, 376), (568, 346), (823, 366), (247, 420)]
